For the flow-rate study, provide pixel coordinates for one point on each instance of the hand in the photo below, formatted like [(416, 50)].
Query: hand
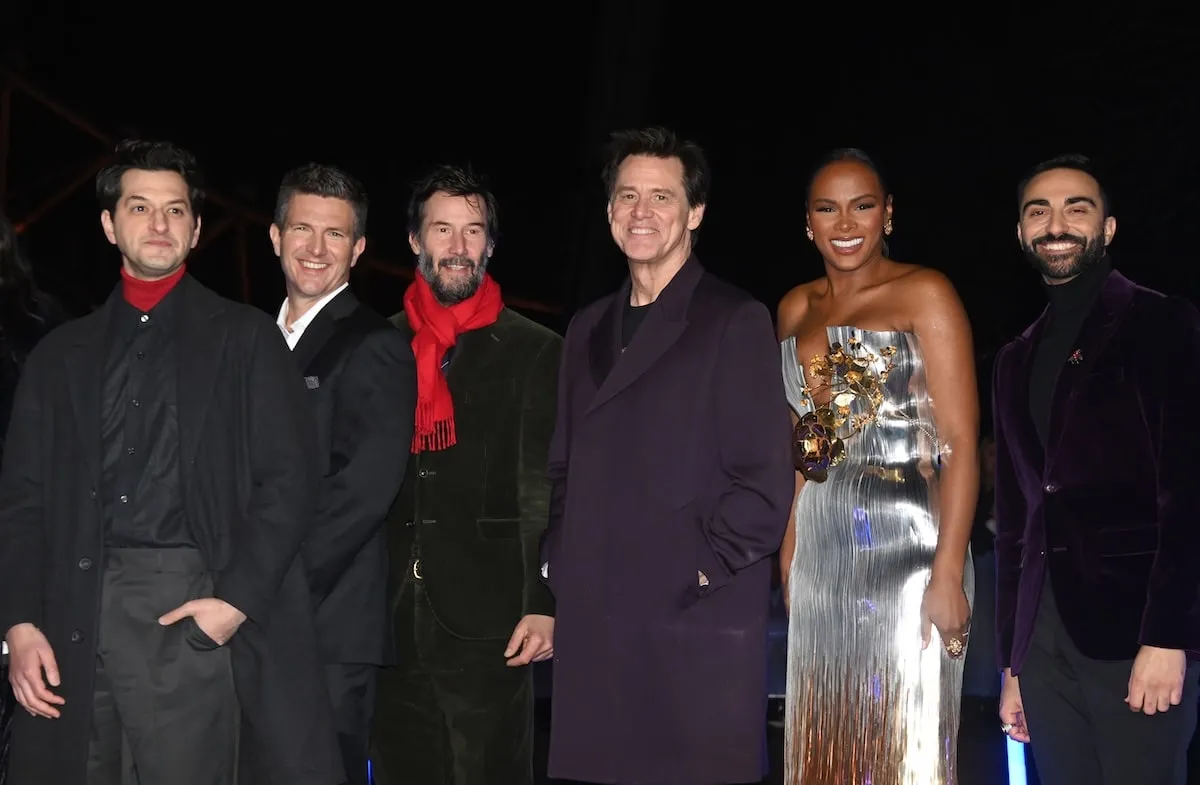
[(945, 606), (29, 654), (703, 578), (1012, 711), (1156, 679), (216, 618), (531, 641)]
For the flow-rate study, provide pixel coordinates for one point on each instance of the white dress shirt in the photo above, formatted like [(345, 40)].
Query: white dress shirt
[(294, 333)]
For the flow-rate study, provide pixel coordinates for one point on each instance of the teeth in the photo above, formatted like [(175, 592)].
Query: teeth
[(1058, 246), (848, 243), (313, 266), (641, 231)]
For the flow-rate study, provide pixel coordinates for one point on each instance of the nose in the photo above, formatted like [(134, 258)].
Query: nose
[(458, 244), (641, 209), (845, 222), (316, 244), (158, 222), (1058, 224)]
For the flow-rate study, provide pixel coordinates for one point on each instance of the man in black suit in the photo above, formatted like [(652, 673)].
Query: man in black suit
[(469, 608), (157, 486), (361, 381)]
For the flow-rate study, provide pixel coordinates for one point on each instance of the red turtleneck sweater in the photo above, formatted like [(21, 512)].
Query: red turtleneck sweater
[(144, 295)]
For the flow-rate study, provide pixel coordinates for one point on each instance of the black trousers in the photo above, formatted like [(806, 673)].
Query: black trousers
[(451, 712), (1080, 728), (164, 708), (352, 690)]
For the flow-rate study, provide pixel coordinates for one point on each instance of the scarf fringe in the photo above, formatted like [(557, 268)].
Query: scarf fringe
[(430, 436)]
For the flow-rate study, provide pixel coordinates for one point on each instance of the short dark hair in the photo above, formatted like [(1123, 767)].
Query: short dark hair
[(659, 142), (323, 180), (845, 154), (453, 181), (150, 156), (1076, 161)]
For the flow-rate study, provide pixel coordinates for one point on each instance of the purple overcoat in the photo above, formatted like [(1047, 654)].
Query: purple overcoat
[(1112, 506), (668, 459)]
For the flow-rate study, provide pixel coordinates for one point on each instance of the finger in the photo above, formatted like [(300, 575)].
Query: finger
[(524, 658), (183, 611), (547, 654), (32, 703), (38, 689), (926, 629), (1136, 696), (514, 643), (1176, 695), (50, 665)]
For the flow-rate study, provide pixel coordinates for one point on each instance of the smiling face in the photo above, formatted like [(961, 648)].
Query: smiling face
[(152, 224), (453, 246), (1063, 229), (316, 246), (847, 210), (648, 212)]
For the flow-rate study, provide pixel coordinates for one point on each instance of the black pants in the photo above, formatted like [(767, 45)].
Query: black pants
[(451, 712), (352, 690), (1080, 728), (164, 708)]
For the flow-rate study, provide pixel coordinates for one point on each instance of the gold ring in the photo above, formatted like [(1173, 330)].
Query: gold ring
[(955, 647)]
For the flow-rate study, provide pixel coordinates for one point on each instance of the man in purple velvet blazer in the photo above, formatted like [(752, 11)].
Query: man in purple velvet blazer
[(1097, 504), (672, 485)]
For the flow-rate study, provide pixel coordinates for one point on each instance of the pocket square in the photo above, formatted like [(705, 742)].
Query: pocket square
[(312, 382)]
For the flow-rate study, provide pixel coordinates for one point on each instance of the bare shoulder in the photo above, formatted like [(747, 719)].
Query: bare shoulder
[(927, 293), (794, 307)]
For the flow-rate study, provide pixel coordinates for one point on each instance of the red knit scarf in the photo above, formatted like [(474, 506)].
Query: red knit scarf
[(436, 328), (144, 295)]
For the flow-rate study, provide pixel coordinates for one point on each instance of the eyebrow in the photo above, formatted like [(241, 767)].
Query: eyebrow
[(140, 198), (1069, 201), (855, 199), (447, 223)]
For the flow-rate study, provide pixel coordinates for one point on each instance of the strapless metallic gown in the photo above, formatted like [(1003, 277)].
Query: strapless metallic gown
[(865, 704)]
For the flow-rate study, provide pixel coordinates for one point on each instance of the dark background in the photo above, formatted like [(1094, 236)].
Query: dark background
[(954, 106)]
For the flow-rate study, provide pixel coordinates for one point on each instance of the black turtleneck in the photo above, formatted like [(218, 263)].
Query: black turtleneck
[(1070, 304)]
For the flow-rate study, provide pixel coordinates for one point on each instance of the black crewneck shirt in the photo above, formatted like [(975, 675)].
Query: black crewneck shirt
[(1070, 304)]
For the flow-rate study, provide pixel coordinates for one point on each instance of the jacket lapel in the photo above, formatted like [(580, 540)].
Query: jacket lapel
[(1099, 326), (664, 324), (322, 327), (202, 347), (1021, 433), (85, 378)]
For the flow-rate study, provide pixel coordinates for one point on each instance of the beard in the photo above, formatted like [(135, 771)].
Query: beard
[(458, 288), (1059, 266)]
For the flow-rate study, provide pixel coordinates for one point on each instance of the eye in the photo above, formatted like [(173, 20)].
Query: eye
[(866, 207)]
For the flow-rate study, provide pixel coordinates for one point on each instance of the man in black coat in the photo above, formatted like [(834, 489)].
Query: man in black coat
[(157, 485), (362, 383)]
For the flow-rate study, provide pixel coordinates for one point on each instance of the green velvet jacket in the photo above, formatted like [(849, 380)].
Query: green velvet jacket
[(470, 518)]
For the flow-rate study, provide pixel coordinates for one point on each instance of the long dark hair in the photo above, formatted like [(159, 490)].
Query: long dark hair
[(25, 312)]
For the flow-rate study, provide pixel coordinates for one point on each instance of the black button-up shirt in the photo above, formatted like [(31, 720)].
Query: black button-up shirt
[(139, 428)]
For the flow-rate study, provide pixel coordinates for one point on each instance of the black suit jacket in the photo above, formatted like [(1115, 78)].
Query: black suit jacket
[(247, 444), (362, 383), (476, 511)]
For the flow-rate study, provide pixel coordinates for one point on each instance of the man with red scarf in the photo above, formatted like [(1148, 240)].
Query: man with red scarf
[(470, 610)]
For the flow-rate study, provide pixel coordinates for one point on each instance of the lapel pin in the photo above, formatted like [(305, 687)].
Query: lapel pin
[(312, 382), (1076, 357)]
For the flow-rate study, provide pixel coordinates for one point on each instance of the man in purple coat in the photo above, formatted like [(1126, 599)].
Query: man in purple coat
[(672, 486), (1097, 504)]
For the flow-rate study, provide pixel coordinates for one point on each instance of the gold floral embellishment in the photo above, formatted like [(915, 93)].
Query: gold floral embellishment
[(848, 374)]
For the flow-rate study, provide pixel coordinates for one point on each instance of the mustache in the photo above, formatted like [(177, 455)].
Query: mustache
[(1059, 238), (463, 260)]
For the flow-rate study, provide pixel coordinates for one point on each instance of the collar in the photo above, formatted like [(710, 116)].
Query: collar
[(296, 331)]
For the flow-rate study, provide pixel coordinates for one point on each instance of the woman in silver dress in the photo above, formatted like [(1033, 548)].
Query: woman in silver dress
[(879, 368)]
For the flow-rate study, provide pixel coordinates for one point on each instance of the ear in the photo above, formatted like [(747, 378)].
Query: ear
[(887, 210), (196, 233), (1110, 229), (359, 247), (1020, 235), (275, 238), (414, 243), (608, 210), (106, 221), (695, 216)]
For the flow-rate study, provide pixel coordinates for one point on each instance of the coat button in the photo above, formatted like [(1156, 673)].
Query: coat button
[(85, 563), (92, 493), (1051, 488), (76, 636)]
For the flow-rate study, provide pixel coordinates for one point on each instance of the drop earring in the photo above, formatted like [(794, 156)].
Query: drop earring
[(887, 227), (809, 233)]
